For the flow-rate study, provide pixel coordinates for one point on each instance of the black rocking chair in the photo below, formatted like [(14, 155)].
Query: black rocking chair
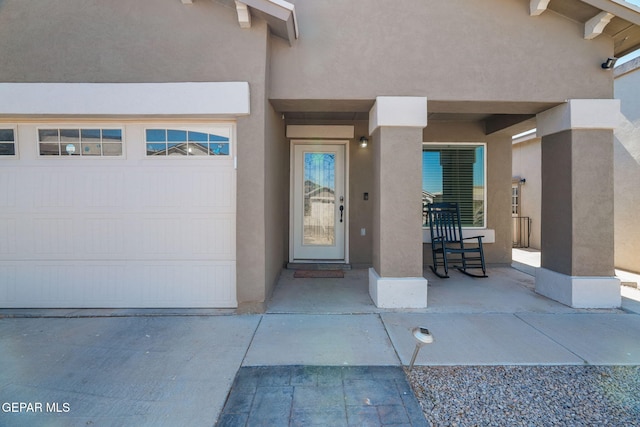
[(446, 238)]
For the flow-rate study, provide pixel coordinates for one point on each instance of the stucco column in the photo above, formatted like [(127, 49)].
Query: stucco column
[(395, 124), (577, 204)]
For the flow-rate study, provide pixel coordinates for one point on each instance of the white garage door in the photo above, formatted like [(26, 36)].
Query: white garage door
[(117, 215)]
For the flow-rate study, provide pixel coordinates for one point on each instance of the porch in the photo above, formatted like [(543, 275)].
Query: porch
[(509, 289)]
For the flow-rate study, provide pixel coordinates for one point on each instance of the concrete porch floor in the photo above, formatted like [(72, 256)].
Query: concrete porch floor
[(506, 290)]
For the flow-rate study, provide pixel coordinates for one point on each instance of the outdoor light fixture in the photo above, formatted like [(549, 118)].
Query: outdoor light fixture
[(609, 63), (423, 337), (364, 142)]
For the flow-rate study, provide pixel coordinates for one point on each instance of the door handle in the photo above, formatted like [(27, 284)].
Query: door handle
[(341, 211)]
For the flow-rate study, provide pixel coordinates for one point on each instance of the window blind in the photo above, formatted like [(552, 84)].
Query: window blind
[(455, 173)]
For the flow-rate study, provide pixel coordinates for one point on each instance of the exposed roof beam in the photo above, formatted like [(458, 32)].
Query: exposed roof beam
[(536, 7), (244, 15), (621, 9), (512, 123), (282, 12), (595, 26)]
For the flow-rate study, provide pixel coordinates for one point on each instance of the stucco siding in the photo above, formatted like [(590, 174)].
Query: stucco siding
[(361, 210), (445, 50), (526, 165), (627, 172), (276, 198), (126, 41)]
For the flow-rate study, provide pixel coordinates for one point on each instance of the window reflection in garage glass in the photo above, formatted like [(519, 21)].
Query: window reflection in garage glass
[(175, 142), (80, 142), (7, 142)]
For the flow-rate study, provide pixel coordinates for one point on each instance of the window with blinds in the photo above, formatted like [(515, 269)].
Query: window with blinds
[(455, 173)]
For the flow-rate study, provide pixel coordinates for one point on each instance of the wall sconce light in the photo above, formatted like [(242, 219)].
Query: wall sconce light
[(609, 63), (364, 142), (523, 180)]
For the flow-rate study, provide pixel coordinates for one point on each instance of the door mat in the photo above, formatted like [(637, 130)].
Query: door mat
[(318, 274)]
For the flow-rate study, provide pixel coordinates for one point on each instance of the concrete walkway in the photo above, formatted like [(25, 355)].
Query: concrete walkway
[(177, 367)]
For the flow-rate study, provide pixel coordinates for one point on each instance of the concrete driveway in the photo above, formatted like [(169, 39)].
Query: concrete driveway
[(176, 367), (128, 371)]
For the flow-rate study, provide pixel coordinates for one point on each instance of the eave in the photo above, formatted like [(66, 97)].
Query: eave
[(614, 18), (280, 15)]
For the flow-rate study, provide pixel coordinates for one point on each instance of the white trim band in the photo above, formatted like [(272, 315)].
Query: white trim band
[(579, 291), (397, 292), (105, 99), (579, 114), (404, 111)]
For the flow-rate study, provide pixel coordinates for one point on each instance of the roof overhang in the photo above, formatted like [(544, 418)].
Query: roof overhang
[(279, 14), (615, 18)]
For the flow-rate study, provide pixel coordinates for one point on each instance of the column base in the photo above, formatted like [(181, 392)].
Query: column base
[(579, 291), (397, 292)]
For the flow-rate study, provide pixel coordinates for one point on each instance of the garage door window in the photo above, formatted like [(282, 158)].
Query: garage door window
[(7, 142), (80, 142), (184, 142)]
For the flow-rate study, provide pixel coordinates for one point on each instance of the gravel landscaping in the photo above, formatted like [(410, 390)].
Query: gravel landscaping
[(528, 395)]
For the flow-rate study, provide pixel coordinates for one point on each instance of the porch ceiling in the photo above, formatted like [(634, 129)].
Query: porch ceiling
[(496, 116)]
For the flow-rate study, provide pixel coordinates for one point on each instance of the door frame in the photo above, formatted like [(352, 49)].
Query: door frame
[(298, 142)]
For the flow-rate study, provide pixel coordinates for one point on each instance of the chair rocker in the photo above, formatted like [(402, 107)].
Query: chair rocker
[(446, 239)]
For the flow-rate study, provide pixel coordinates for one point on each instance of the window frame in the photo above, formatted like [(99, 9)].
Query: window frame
[(515, 197), (485, 174), (14, 128), (209, 128), (80, 128)]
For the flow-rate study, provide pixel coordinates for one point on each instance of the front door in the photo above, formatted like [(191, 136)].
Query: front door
[(318, 202)]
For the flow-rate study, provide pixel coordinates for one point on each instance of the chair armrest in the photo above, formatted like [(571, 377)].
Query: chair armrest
[(474, 237)]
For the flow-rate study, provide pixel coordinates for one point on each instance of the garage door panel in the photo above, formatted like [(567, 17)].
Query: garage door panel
[(129, 231), (173, 188), (8, 185), (8, 235), (193, 284), (108, 237), (102, 236), (111, 284), (53, 188), (216, 237), (54, 236), (8, 284)]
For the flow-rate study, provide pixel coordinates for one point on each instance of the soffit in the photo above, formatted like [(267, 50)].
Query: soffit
[(624, 27), (496, 116)]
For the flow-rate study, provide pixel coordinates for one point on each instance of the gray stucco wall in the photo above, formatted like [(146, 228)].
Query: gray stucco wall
[(397, 210), (627, 171), (489, 50), (126, 41), (276, 180), (361, 210), (577, 205), (526, 164)]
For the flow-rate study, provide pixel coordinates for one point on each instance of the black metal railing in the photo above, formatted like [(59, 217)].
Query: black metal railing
[(521, 231)]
